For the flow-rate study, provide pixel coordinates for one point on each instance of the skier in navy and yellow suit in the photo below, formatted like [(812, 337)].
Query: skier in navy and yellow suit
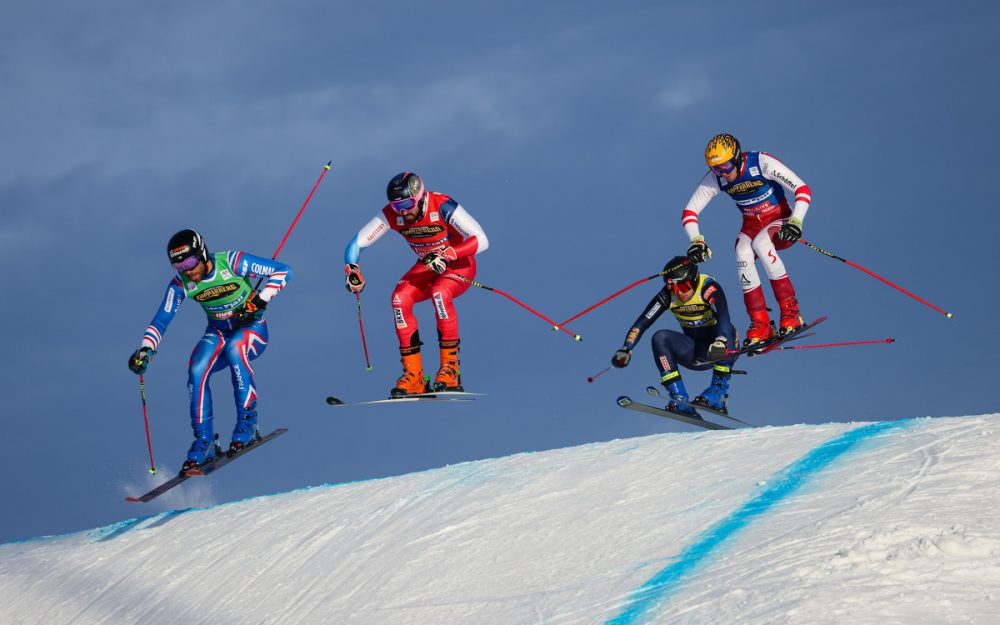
[(699, 304)]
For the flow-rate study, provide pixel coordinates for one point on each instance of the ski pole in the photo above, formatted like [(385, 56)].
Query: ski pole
[(889, 340), (617, 293), (597, 375), (326, 168), (295, 221), (145, 418), (361, 324), (480, 285), (874, 275)]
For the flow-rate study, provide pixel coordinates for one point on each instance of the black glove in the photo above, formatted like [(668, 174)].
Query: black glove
[(436, 262), (139, 360), (791, 231), (718, 349), (250, 313), (621, 358), (354, 282), (699, 251)]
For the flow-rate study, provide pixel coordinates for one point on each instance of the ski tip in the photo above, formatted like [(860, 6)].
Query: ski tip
[(333, 401), (133, 499)]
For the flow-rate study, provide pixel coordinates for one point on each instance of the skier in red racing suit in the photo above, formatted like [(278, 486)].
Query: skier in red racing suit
[(757, 182), (446, 238)]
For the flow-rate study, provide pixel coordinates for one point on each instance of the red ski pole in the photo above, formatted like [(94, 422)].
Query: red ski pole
[(361, 324), (874, 275), (295, 221), (597, 375), (326, 168), (617, 293), (889, 340), (145, 418), (555, 326)]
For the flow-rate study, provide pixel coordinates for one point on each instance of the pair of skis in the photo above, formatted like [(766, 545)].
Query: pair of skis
[(208, 468), (407, 399), (767, 345), (223, 459), (626, 402)]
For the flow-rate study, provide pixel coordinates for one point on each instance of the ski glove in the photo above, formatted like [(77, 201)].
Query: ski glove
[(250, 313), (621, 358), (353, 282), (791, 231), (699, 251), (436, 262), (139, 360), (718, 349)]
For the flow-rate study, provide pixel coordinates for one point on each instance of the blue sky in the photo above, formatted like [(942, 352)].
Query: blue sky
[(573, 132)]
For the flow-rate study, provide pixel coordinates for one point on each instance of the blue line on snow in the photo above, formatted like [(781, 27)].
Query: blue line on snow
[(642, 601)]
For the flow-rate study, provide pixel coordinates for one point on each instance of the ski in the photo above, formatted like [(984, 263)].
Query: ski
[(416, 397), (758, 349), (626, 402), (159, 490), (652, 390), (220, 461), (217, 463)]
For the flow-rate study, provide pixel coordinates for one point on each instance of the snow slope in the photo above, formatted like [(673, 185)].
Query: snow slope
[(894, 522)]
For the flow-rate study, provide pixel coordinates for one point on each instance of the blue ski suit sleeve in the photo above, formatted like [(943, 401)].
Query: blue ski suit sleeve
[(277, 273), (656, 307), (164, 314)]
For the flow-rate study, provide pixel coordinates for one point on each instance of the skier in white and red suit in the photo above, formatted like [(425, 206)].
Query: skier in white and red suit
[(446, 238), (757, 182)]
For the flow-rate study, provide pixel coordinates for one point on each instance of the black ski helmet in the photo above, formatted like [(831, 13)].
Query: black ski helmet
[(680, 269), (185, 244), (405, 185)]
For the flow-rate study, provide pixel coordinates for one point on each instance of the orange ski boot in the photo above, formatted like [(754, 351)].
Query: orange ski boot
[(412, 380), (449, 376)]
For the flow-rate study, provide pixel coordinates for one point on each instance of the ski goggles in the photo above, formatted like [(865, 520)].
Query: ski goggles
[(682, 286), (406, 204), (724, 168), (187, 264)]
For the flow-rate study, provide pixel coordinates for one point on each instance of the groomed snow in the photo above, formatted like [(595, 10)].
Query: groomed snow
[(840, 523)]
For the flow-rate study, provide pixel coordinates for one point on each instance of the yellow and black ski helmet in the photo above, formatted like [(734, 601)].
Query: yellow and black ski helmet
[(722, 148)]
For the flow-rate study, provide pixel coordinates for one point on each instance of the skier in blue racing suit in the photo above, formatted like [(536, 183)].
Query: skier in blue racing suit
[(236, 333)]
